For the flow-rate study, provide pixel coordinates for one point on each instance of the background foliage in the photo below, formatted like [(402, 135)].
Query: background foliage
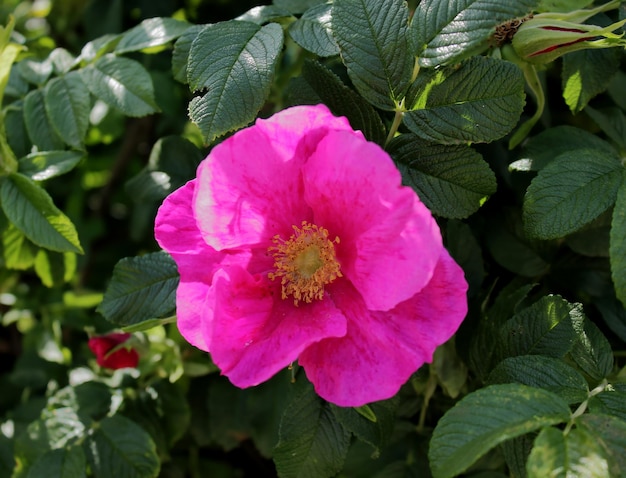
[(109, 105)]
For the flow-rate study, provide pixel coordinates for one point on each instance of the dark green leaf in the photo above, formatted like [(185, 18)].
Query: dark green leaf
[(141, 288), (542, 372), (614, 315), (264, 14), (151, 32), (487, 417), (7, 458), (540, 150), (17, 134), (443, 32), (574, 454), (592, 352), (548, 327), (235, 62), (587, 73), (120, 448), (313, 32), (44, 165), (67, 104), (516, 453), (612, 121), (180, 56), (311, 440), (297, 6), (610, 432), (372, 38), (574, 189), (122, 83), (465, 250), (30, 208), (40, 129), (344, 101), (617, 249), (61, 463), (453, 181), (478, 101), (611, 401), (593, 239), (374, 432)]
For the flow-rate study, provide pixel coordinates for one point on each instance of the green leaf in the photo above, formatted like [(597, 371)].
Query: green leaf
[(264, 14), (375, 428), (36, 72), (587, 73), (235, 62), (592, 352), (611, 401), (141, 288), (444, 32), (311, 440), (297, 6), (7, 458), (62, 463), (542, 372), (452, 180), (617, 248), (40, 166), (180, 55), (611, 434), (344, 101), (548, 327), (540, 150), (122, 83), (16, 133), (313, 31), (30, 208), (17, 251), (571, 191), (120, 448), (40, 130), (54, 268), (478, 101), (68, 103), (464, 248), (612, 121), (149, 33), (559, 455), (62, 60), (487, 417), (372, 38)]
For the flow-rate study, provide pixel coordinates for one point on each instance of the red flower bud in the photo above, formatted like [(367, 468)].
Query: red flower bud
[(110, 355)]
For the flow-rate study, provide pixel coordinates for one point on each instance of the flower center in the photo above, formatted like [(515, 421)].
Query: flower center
[(305, 263)]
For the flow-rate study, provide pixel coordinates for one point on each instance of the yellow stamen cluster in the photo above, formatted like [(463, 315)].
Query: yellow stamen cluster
[(305, 263)]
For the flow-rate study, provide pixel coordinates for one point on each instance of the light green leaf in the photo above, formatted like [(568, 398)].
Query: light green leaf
[(62, 463), (548, 327), (122, 83), (120, 448), (571, 191), (542, 372), (587, 73), (234, 61), (540, 150), (575, 454), (487, 417), (40, 130), (67, 104), (611, 433), (372, 38), (141, 288), (62, 60), (8, 54), (344, 101), (478, 101), (313, 31), (444, 32), (40, 166), (592, 352), (311, 440), (55, 268), (63, 426), (31, 209), (17, 251), (453, 181), (149, 33), (617, 248)]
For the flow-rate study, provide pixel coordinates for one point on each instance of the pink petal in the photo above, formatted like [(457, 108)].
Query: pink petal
[(389, 240), (250, 186), (259, 333), (382, 349)]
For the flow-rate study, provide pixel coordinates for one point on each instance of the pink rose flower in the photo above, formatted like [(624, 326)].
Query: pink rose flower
[(123, 357), (297, 241)]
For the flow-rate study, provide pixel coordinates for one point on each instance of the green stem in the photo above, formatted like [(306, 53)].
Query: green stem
[(582, 408), (397, 119)]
